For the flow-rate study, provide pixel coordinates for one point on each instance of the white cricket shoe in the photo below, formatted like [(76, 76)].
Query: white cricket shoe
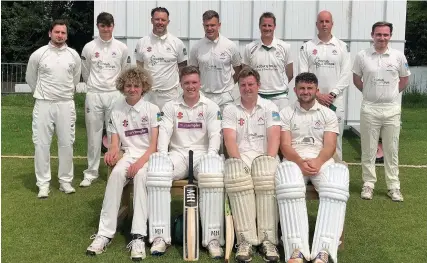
[(137, 249), (244, 252), (43, 192), (86, 182), (67, 188), (269, 252), (215, 250), (367, 193), (395, 195), (159, 247), (98, 246)]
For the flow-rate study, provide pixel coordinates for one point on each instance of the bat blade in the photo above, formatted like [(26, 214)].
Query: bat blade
[(229, 230)]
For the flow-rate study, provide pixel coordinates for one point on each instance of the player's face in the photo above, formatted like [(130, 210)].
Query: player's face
[(324, 22), (381, 36), (306, 92), (132, 90), (191, 86), (160, 21), (267, 27), (248, 87), (211, 28), (58, 35), (105, 31)]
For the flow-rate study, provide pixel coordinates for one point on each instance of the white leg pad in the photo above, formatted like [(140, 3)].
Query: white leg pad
[(333, 194), (211, 198), (240, 190), (159, 182), (290, 190), (263, 172)]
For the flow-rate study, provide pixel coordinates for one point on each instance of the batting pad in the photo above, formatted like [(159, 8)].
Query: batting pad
[(333, 194), (211, 198), (159, 182), (263, 171), (290, 190), (240, 190)]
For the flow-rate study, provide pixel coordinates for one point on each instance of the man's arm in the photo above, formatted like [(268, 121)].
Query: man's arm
[(289, 70), (112, 155), (86, 63), (236, 73), (166, 128), (403, 83), (136, 166), (230, 142), (77, 69), (214, 128), (32, 71), (329, 146), (125, 59), (273, 140), (357, 80), (181, 65), (344, 78), (302, 59)]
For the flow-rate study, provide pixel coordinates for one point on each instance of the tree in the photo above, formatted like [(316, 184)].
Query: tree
[(416, 33), (25, 26)]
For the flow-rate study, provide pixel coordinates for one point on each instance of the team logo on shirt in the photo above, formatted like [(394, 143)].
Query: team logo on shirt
[(168, 49), (200, 116), (190, 125), (334, 52), (87, 110), (275, 115), (318, 125), (180, 115), (136, 132), (83, 58), (218, 115), (315, 52), (148, 49), (278, 55), (184, 50), (261, 121), (241, 121), (113, 54), (144, 119), (159, 116), (125, 123), (97, 54), (406, 66)]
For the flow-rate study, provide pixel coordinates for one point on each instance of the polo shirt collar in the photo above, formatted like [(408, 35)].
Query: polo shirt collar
[(160, 37), (332, 41), (180, 100), (137, 107), (58, 48), (315, 107), (373, 51), (214, 41), (258, 103), (273, 43)]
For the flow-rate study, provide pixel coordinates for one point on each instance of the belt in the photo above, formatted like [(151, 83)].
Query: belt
[(269, 96)]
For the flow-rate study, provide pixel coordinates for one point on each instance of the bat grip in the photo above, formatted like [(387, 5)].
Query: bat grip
[(190, 167)]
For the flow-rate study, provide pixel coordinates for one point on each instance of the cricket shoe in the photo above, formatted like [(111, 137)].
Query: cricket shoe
[(269, 252), (244, 252), (297, 257), (322, 257), (159, 247), (86, 182), (43, 192), (137, 248), (98, 246), (395, 195), (367, 193), (215, 250), (67, 188)]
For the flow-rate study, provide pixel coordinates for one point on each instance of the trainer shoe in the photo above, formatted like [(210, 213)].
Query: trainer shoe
[(395, 195), (137, 248), (43, 192), (98, 246), (297, 257), (67, 188), (367, 193), (159, 247), (244, 252), (269, 252), (86, 182), (215, 250), (322, 257)]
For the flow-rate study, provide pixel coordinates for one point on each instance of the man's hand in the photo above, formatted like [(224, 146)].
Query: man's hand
[(134, 168), (306, 169), (111, 157), (325, 99), (315, 164)]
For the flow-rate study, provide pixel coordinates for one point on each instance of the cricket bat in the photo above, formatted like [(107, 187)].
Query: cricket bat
[(229, 230), (191, 216)]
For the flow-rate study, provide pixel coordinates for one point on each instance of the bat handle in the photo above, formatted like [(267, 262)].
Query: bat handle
[(190, 167)]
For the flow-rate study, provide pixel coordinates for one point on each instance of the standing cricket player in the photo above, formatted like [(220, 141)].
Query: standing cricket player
[(251, 130), (103, 59), (134, 130), (191, 122), (163, 55), (381, 74), (217, 58), (328, 58), (308, 141), (53, 72), (271, 57)]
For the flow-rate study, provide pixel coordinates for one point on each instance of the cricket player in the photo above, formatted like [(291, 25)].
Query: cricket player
[(251, 128), (308, 141), (163, 55), (328, 58), (217, 58), (134, 130), (53, 71), (381, 74), (191, 122), (271, 57), (103, 59)]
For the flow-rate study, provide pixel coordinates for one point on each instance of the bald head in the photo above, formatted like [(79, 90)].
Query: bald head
[(324, 23)]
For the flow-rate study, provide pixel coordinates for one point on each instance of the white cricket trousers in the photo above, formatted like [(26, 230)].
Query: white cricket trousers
[(160, 97), (50, 116), (98, 107), (113, 195), (341, 117), (376, 120)]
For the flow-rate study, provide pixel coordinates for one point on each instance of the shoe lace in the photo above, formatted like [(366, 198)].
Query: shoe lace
[(244, 246), (99, 241), (157, 241), (135, 244), (269, 247), (368, 189)]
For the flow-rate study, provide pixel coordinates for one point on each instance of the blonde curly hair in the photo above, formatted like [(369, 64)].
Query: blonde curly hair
[(135, 75)]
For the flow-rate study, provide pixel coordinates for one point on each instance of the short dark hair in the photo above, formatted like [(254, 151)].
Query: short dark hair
[(188, 70), (267, 15), (61, 22), (159, 9), (306, 77), (382, 23), (210, 14), (248, 71), (105, 18)]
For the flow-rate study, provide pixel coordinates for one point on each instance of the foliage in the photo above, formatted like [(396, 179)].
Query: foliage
[(416, 33), (25, 26)]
